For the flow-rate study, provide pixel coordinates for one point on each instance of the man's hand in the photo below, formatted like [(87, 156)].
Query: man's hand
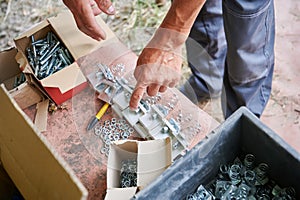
[(84, 12), (156, 70)]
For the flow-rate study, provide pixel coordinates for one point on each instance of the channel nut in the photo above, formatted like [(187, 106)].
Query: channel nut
[(47, 55)]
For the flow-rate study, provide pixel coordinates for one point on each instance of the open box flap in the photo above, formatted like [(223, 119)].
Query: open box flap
[(33, 164), (78, 43), (33, 29), (8, 66), (119, 150), (153, 158), (65, 79), (25, 94), (23, 63), (120, 193)]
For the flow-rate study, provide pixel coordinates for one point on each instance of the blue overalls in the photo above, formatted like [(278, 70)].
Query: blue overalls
[(230, 51)]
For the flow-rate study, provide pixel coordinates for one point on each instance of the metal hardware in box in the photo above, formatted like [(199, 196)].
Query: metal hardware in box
[(242, 133), (47, 56)]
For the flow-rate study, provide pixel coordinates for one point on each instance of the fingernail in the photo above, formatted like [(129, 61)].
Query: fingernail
[(103, 36), (111, 10), (134, 109)]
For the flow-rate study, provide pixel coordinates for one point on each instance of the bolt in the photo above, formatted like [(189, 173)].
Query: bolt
[(154, 116), (63, 58), (37, 42), (165, 129), (50, 54), (33, 46), (43, 49), (68, 54), (50, 66), (36, 71), (175, 145), (57, 65), (16, 82), (49, 38)]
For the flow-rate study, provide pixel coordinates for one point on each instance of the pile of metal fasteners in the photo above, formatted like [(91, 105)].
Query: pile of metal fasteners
[(47, 55), (19, 80), (128, 173), (243, 180), (112, 130)]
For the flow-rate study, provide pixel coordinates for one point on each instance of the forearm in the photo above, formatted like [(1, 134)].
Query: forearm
[(182, 15), (176, 26)]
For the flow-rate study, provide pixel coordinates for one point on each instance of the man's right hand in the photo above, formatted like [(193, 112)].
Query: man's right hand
[(84, 12)]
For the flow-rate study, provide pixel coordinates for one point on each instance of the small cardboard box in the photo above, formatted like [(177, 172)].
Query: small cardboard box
[(70, 80), (153, 157), (240, 134), (25, 94)]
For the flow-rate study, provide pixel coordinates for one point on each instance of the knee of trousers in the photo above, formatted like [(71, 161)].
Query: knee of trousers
[(247, 7), (250, 41)]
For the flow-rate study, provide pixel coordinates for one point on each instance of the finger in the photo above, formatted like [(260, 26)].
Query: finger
[(106, 6), (95, 7), (88, 24), (163, 88), (96, 11), (153, 89), (136, 96), (172, 84)]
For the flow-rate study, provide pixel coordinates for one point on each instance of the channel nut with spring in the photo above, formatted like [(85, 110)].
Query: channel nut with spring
[(47, 55), (128, 176), (244, 180)]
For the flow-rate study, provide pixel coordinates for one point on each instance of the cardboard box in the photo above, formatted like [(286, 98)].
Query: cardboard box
[(36, 168), (240, 134), (25, 94), (70, 80), (153, 157)]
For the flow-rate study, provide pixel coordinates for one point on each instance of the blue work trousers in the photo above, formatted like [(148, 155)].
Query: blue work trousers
[(230, 51)]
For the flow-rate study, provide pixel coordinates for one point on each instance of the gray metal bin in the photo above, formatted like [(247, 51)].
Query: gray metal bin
[(240, 134)]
